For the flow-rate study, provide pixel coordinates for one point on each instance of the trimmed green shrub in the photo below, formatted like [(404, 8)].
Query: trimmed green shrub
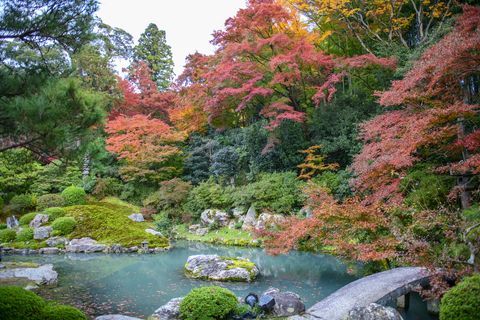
[(54, 213), (61, 312), (208, 195), (26, 218), (74, 196), (50, 200), (17, 303), (462, 302), (3, 226), (7, 235), (208, 303), (163, 224), (25, 234), (23, 203), (63, 225)]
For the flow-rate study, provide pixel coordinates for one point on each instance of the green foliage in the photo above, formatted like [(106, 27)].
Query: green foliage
[(17, 303), (26, 218), (424, 189), (225, 163), (206, 195), (55, 177), (109, 223), (74, 196), (50, 200), (63, 225), (222, 236), (279, 192), (164, 224), (61, 312), (7, 235), (170, 197), (3, 226), (336, 182), (22, 203), (54, 213), (18, 170), (25, 234), (105, 187), (208, 303), (462, 302)]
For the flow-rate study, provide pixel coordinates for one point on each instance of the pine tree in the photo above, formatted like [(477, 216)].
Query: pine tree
[(152, 48)]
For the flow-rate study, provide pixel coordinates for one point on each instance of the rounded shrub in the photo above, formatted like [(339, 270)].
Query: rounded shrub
[(207, 303), (74, 196), (54, 213), (62, 312), (26, 218), (7, 235), (23, 203), (3, 226), (50, 200), (25, 234), (63, 226), (462, 302), (18, 303)]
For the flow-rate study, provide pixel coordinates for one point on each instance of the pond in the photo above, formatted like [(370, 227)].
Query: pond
[(138, 284)]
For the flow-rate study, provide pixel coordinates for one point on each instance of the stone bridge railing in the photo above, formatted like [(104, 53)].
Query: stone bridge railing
[(378, 288)]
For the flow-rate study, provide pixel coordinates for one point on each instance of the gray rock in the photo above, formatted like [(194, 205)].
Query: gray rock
[(116, 317), (214, 267), (286, 303), (43, 274), (374, 312), (237, 212), (115, 248), (211, 216), (49, 250), (38, 220), (250, 219), (56, 241), (169, 311), (42, 232), (137, 217), (201, 231), (86, 245), (269, 221), (154, 232), (12, 222)]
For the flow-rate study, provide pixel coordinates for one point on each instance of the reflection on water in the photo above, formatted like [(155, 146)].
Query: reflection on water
[(138, 284)]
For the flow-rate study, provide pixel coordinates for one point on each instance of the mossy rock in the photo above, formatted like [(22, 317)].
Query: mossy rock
[(462, 302), (217, 268), (109, 224), (208, 303), (62, 312)]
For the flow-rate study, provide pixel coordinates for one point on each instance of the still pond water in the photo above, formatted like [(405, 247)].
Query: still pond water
[(138, 284)]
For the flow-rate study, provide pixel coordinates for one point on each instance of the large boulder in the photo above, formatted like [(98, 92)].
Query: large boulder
[(12, 222), (286, 303), (154, 232), (56, 241), (211, 216), (374, 312), (42, 232), (216, 268), (43, 274), (137, 217), (116, 317), (52, 250), (269, 221), (169, 311), (237, 212), (250, 219), (86, 245), (39, 220), (198, 230)]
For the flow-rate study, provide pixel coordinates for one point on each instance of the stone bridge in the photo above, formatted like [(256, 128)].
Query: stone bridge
[(382, 287)]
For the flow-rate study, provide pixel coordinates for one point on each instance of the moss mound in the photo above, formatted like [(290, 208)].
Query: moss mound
[(74, 196), (61, 312), (208, 303), (109, 223), (63, 226), (462, 302), (7, 235), (54, 213), (26, 234), (17, 303), (26, 218), (50, 200)]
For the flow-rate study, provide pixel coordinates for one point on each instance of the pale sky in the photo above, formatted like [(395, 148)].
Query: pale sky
[(188, 23)]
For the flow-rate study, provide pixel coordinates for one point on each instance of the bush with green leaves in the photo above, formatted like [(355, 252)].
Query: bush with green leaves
[(63, 226), (27, 218), (3, 226), (169, 198), (55, 177), (163, 224), (7, 235), (50, 200), (26, 234), (462, 302), (208, 195), (62, 312), (74, 196), (338, 183), (208, 303), (17, 303), (105, 187), (54, 213), (278, 192), (22, 203)]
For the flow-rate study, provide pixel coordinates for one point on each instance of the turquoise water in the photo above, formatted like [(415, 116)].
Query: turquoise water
[(138, 284)]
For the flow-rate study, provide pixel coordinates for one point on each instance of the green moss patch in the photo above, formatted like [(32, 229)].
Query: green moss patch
[(223, 236), (109, 224)]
